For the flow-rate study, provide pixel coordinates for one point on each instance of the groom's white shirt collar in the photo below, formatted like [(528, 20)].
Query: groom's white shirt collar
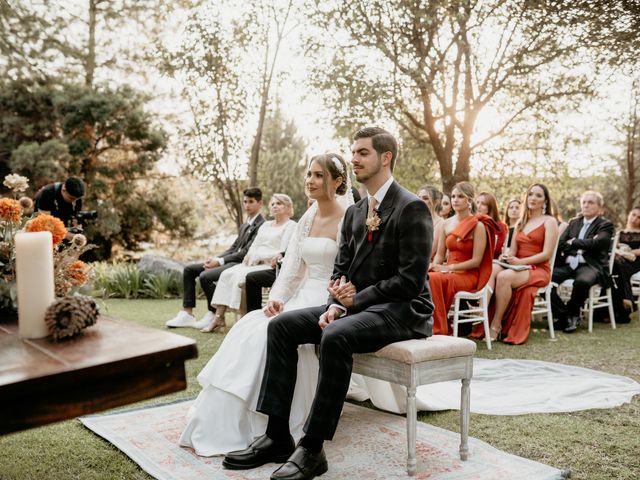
[(382, 191)]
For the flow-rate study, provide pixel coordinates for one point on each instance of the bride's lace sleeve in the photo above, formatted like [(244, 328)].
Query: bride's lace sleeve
[(293, 268)]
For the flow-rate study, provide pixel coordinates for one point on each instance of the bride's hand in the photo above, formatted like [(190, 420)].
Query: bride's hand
[(273, 307)]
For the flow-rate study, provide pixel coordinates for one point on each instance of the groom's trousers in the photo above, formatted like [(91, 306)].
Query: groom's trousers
[(361, 332)]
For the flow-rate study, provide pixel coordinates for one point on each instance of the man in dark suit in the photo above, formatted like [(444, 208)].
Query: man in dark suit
[(209, 271), (583, 254), (379, 294)]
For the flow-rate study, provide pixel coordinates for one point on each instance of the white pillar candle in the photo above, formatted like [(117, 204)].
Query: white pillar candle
[(34, 276)]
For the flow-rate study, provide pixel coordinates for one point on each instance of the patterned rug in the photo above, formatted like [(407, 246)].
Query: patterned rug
[(369, 444)]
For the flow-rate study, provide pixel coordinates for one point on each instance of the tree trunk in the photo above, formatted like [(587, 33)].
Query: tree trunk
[(90, 63)]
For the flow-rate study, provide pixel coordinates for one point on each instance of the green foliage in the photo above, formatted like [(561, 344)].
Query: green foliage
[(106, 137), (282, 161), (125, 280)]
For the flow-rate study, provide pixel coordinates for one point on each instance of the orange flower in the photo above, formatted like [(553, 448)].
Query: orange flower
[(48, 223), (78, 272), (10, 209)]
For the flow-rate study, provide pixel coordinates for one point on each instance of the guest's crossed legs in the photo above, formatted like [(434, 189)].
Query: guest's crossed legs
[(358, 333), (584, 277), (208, 279)]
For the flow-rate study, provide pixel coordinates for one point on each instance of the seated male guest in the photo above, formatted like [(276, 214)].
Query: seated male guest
[(583, 255), (209, 271)]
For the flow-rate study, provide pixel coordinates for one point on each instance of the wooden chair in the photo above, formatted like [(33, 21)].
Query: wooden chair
[(419, 362)]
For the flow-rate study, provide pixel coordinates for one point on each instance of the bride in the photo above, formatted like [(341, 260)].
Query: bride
[(223, 417)]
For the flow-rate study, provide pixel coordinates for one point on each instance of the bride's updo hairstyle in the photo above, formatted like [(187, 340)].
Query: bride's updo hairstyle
[(332, 165)]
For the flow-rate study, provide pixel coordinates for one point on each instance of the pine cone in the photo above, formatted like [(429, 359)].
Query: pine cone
[(67, 316)]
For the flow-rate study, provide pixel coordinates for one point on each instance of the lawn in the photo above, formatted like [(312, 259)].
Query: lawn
[(594, 444)]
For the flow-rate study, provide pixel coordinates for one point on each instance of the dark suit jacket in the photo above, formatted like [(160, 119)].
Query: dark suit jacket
[(238, 250), (390, 271), (595, 245)]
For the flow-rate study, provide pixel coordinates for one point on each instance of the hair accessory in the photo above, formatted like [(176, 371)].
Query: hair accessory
[(338, 164)]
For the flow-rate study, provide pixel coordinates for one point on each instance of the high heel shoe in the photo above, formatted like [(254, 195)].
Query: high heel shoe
[(494, 334), (217, 323)]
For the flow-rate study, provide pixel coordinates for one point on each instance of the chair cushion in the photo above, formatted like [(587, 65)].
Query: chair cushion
[(433, 348)]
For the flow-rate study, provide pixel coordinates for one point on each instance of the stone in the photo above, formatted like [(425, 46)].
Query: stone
[(155, 265)]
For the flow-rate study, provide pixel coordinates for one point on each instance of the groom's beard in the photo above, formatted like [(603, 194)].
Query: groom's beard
[(366, 175)]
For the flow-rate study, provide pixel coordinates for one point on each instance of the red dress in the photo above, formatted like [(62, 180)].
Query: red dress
[(501, 237), (445, 285), (516, 321)]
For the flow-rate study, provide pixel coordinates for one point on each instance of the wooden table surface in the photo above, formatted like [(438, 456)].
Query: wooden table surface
[(112, 363)]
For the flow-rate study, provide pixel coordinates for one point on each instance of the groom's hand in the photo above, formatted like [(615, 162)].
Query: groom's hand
[(342, 291), (329, 316)]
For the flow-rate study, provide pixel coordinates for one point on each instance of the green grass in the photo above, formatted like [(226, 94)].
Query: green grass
[(594, 444)]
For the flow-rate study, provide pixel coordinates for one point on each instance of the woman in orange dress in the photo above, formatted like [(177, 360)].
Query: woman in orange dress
[(534, 240), (486, 204), (466, 242), (432, 197)]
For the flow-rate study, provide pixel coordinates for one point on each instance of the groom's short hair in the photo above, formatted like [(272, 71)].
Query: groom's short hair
[(381, 140)]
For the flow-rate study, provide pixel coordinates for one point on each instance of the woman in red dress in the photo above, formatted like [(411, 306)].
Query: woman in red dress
[(535, 238), (486, 204), (467, 242)]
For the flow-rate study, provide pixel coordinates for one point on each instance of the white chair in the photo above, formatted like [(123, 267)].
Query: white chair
[(542, 302), (635, 286), (596, 299), (473, 314)]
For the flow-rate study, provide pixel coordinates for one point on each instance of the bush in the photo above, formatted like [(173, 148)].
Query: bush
[(124, 280)]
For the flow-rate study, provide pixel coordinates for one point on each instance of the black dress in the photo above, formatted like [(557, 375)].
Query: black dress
[(622, 273)]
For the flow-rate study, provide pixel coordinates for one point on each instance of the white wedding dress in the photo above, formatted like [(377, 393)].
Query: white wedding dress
[(223, 417)]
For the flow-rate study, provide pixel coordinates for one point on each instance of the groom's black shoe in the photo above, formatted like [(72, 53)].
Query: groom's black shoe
[(302, 465), (262, 450)]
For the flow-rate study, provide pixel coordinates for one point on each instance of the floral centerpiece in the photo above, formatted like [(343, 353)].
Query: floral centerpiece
[(16, 214)]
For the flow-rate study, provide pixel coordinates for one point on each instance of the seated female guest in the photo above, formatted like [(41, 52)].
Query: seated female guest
[(511, 217), (486, 204), (466, 242), (536, 235), (626, 264), (271, 239), (432, 197), (446, 211)]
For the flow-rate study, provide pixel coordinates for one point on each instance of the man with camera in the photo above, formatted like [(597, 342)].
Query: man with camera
[(64, 201)]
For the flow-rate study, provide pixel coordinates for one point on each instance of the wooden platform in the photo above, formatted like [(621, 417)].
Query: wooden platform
[(113, 363)]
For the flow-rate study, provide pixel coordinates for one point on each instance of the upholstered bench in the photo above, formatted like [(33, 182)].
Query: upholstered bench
[(419, 362)]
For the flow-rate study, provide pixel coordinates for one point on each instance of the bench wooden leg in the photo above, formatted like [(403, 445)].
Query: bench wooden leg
[(412, 418), (465, 407)]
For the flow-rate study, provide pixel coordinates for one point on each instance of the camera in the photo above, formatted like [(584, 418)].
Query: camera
[(81, 218), (86, 216)]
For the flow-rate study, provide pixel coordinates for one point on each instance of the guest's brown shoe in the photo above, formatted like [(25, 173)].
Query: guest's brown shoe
[(302, 465), (262, 450)]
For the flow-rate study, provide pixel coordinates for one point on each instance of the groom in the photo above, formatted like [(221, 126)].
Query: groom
[(379, 294)]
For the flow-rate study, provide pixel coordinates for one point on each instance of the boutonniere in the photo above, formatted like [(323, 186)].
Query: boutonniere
[(373, 224)]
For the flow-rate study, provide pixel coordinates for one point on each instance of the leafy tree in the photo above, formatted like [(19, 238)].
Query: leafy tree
[(103, 135), (283, 165), (269, 35), (210, 72), (433, 66)]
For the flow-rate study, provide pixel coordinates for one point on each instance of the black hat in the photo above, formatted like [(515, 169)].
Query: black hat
[(74, 187)]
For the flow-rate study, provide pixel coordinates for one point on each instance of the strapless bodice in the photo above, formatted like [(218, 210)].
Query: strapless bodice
[(319, 254)]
